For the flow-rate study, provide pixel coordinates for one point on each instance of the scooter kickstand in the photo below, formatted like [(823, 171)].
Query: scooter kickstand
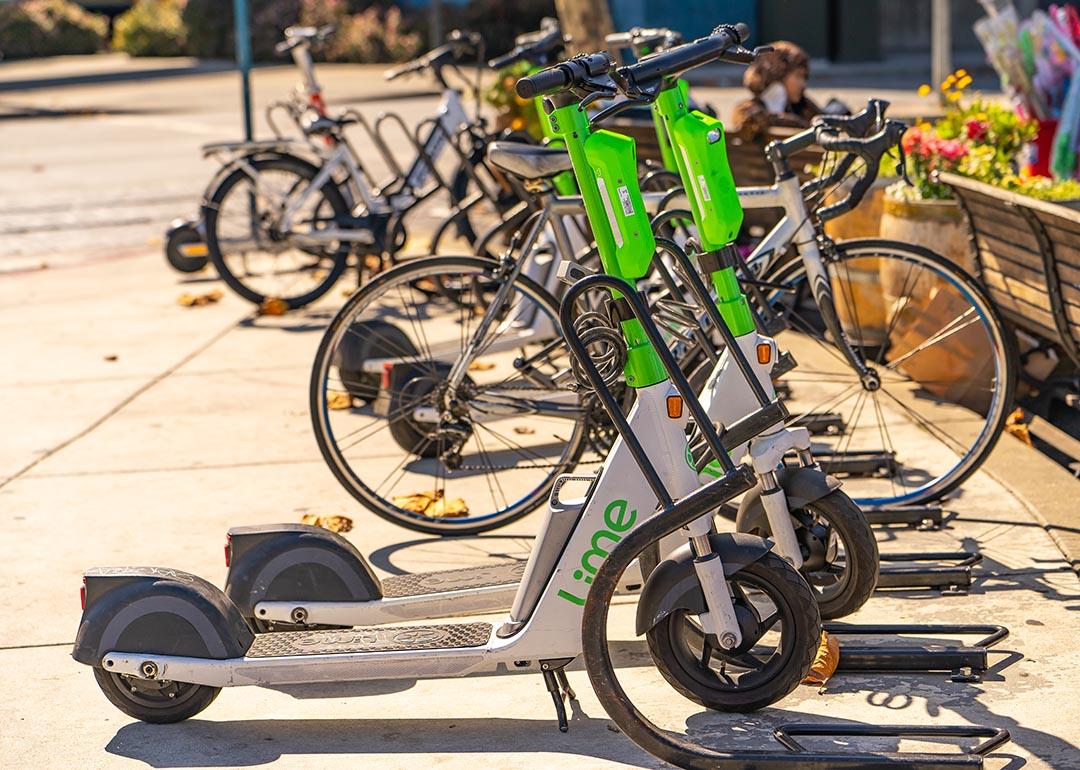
[(559, 686)]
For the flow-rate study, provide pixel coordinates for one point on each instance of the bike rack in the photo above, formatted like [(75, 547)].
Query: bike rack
[(672, 516), (964, 662), (922, 517), (951, 580)]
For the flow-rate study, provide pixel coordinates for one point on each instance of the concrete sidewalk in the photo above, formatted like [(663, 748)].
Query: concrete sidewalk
[(138, 431), (200, 423)]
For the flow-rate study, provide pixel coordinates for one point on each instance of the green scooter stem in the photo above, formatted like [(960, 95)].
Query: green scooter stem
[(701, 157), (605, 166)]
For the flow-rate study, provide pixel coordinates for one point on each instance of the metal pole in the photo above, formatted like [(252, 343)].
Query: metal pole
[(941, 44), (435, 23), (243, 59)]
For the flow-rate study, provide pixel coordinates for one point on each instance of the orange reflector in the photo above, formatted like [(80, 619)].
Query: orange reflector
[(764, 353), (674, 407)]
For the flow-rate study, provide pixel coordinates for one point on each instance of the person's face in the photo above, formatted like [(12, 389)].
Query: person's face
[(795, 84)]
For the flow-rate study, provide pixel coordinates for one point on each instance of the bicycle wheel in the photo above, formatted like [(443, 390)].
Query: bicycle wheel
[(251, 253), (419, 452), (944, 376)]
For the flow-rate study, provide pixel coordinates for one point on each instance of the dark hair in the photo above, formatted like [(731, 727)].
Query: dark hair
[(785, 58)]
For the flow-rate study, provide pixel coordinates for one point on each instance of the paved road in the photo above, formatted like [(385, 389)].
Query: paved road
[(137, 431)]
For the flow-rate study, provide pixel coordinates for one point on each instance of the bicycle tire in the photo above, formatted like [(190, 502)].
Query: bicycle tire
[(413, 270), (211, 210), (789, 272)]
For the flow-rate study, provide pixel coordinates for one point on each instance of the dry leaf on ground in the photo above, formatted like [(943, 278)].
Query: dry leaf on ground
[(336, 400), (198, 300), (1015, 425), (332, 523), (825, 661), (524, 430), (273, 306), (481, 366), (432, 504)]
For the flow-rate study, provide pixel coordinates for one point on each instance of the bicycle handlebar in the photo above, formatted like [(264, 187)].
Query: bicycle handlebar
[(450, 52), (870, 149), (565, 75), (644, 36), (634, 78), (534, 47), (870, 120), (295, 36)]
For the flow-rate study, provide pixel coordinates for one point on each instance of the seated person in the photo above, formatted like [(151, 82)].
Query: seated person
[(777, 81)]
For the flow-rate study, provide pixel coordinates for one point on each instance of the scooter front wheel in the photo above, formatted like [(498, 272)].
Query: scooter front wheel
[(152, 701), (780, 624)]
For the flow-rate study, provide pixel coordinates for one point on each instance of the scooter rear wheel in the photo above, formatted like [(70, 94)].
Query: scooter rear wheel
[(153, 701), (841, 552), (768, 665)]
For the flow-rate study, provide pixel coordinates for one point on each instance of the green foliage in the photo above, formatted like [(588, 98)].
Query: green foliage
[(49, 28), (513, 112), (151, 28)]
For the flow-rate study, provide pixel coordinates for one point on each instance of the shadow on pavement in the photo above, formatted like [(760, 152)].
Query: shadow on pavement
[(249, 743)]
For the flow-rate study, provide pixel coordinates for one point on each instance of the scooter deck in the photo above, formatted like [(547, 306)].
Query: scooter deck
[(379, 639), (461, 579)]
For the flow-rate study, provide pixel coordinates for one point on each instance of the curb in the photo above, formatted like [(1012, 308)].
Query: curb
[(1048, 491)]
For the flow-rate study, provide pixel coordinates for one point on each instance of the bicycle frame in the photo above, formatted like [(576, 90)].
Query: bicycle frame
[(451, 119)]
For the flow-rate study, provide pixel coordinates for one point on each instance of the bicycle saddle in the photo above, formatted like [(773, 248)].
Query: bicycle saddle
[(528, 161)]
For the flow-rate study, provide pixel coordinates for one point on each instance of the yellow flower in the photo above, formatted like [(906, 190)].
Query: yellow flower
[(954, 96), (517, 123), (925, 127), (964, 82), (924, 89), (948, 83), (961, 73)]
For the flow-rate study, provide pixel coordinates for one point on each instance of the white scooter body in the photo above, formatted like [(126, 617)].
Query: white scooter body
[(545, 621)]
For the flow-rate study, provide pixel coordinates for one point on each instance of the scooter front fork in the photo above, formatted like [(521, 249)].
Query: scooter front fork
[(766, 454)]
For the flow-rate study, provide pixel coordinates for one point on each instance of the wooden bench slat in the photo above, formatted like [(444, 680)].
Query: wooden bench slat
[(1018, 255)]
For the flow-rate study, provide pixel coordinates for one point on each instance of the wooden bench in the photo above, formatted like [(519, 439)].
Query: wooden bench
[(1027, 255)]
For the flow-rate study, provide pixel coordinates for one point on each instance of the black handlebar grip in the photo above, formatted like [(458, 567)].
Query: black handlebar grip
[(544, 81)]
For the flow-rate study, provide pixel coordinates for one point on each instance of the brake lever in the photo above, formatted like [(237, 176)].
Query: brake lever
[(601, 92), (901, 166)]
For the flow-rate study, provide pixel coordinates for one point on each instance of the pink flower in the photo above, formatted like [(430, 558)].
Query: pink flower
[(976, 129), (952, 150)]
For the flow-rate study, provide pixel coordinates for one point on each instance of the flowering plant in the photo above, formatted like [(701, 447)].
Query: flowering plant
[(976, 138)]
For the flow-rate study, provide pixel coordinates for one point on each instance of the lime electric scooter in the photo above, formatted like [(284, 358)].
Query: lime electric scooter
[(163, 642)]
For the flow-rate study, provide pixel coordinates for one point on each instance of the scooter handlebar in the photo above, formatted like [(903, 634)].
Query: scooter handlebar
[(563, 76), (685, 57)]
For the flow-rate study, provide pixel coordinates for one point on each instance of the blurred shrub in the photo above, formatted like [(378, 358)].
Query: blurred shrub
[(366, 32), (373, 36), (209, 25), (151, 28), (49, 28)]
